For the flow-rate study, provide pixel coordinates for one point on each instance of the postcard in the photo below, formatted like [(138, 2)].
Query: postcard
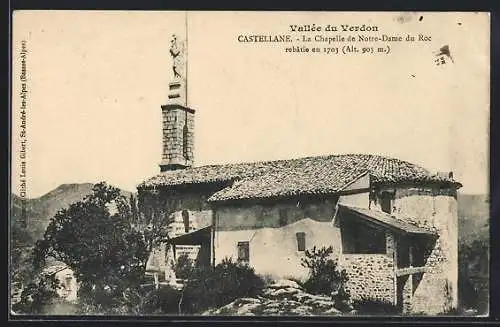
[(226, 163)]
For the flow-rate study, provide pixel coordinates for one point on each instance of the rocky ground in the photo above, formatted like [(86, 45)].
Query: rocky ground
[(283, 297)]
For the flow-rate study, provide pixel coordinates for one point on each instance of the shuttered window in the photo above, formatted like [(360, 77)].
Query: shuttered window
[(301, 241)]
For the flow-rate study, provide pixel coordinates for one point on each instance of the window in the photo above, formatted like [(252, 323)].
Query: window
[(243, 251), (301, 241), (185, 219)]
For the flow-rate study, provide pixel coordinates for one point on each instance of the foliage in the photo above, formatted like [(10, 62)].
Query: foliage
[(164, 300), (473, 279), (183, 266), (325, 276), (21, 253), (106, 253), (37, 294), (134, 211), (211, 288), (374, 306), (138, 301)]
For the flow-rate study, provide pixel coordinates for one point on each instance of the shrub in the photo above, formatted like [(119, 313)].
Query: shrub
[(325, 277), (373, 306), (211, 288), (164, 300), (37, 295), (183, 267)]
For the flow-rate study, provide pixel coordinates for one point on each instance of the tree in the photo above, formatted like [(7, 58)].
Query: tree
[(21, 254), (107, 254), (473, 278), (134, 211)]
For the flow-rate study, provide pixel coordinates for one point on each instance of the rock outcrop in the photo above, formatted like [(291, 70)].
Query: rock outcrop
[(284, 297)]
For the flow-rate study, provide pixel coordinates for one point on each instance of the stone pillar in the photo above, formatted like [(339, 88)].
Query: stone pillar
[(408, 295), (391, 248)]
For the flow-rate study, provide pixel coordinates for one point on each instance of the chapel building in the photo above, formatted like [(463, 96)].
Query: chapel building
[(392, 224)]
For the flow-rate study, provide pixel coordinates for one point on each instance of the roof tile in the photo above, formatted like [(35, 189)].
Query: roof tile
[(388, 220), (309, 175)]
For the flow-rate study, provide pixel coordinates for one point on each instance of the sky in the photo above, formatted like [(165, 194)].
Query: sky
[(96, 81)]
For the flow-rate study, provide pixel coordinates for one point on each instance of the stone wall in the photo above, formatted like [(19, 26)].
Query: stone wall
[(370, 275)]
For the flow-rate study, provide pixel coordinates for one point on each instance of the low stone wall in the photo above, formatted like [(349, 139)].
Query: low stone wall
[(370, 275)]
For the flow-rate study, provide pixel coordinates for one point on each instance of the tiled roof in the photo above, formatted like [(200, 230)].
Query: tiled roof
[(310, 175), (387, 220)]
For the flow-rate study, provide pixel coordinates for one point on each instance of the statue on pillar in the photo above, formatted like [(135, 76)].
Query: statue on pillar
[(178, 53)]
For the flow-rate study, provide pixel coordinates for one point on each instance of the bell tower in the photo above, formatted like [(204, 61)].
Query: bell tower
[(177, 117)]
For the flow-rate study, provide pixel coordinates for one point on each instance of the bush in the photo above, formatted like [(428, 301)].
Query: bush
[(325, 277), (183, 267), (213, 288), (37, 295), (164, 300), (373, 306)]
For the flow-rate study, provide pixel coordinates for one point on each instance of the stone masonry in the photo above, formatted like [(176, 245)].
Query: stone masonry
[(178, 136), (371, 275)]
